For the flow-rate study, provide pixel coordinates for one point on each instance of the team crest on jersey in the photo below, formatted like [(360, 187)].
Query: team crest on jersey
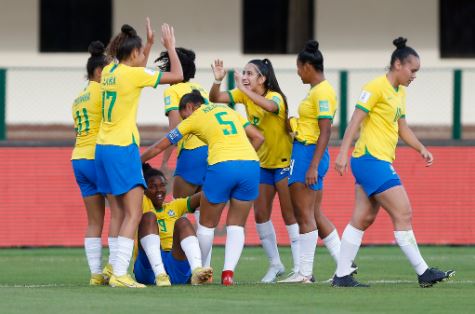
[(364, 97), (323, 105), (171, 213), (149, 71), (167, 100)]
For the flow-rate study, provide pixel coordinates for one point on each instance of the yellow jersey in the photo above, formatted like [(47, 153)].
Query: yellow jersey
[(384, 105), (87, 120), (166, 217), (121, 88), (277, 147), (320, 103), (172, 97), (222, 129)]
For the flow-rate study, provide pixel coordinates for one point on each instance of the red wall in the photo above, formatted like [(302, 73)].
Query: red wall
[(40, 204)]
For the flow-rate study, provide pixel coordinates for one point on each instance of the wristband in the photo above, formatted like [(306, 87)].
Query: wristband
[(217, 82)]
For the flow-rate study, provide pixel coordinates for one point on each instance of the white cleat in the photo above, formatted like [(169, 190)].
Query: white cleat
[(298, 278), (273, 272)]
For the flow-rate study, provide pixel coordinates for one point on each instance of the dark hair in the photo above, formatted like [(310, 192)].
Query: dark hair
[(402, 51), (122, 45), (187, 59), (311, 54), (267, 70), (193, 97), (149, 172), (97, 58)]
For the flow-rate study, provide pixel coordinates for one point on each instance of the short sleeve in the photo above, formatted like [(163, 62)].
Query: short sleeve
[(187, 126), (171, 100), (368, 98), (144, 77), (323, 100), (181, 206), (403, 105), (236, 97), (278, 100), (244, 122)]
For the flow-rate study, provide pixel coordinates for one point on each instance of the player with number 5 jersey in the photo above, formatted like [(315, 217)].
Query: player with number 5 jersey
[(232, 174), (118, 165)]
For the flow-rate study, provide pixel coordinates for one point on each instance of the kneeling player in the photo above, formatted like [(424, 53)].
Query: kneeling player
[(169, 251)]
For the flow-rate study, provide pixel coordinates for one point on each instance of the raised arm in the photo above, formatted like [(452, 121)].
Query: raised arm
[(406, 134), (255, 136), (261, 101), (176, 72), (149, 43), (215, 95), (173, 120), (155, 149), (341, 162)]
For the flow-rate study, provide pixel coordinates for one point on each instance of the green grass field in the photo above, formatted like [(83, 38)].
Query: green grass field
[(54, 280)]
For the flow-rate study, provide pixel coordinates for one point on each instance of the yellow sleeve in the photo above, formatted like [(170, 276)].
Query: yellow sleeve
[(147, 205), (171, 100), (182, 206), (187, 126), (278, 100), (403, 105), (236, 97), (322, 99), (143, 77), (244, 121), (368, 98)]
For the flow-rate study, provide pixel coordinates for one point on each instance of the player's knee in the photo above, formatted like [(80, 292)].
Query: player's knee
[(148, 225)]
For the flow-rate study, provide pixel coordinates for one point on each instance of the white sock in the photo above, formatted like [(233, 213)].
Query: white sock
[(113, 247), (294, 235), (207, 260), (205, 237), (350, 244), (124, 253), (234, 246), (308, 243), (407, 242), (191, 247), (332, 242), (151, 245), (93, 248), (269, 242)]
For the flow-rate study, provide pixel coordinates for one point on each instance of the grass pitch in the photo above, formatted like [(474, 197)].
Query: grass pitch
[(54, 280)]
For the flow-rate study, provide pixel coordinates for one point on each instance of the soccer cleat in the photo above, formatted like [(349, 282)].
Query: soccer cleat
[(201, 275), (162, 280), (96, 280), (273, 272), (354, 269), (347, 281), (107, 273), (432, 276), (298, 278), (227, 278), (124, 281)]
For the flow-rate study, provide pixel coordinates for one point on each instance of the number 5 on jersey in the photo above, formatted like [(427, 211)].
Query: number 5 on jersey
[(108, 102), (229, 128)]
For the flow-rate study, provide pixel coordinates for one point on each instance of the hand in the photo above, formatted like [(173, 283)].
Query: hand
[(168, 37), (311, 175), (238, 79), (341, 163), (427, 155), (150, 32), (218, 70)]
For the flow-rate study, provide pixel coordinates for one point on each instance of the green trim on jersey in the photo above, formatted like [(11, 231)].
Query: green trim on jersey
[(362, 108), (114, 67), (188, 205), (158, 79), (231, 103), (171, 108)]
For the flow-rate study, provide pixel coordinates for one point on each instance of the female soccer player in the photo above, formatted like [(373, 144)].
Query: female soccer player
[(310, 158), (266, 108), (381, 113), (118, 163), (87, 118), (180, 250), (232, 174)]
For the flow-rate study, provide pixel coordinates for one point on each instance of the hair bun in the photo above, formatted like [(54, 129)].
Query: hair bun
[(400, 42), (190, 54), (145, 167), (128, 30), (96, 48), (311, 46)]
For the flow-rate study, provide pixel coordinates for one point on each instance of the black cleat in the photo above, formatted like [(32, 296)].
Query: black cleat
[(432, 276), (347, 281)]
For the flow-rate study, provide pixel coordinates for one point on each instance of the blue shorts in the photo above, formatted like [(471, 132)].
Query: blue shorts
[(301, 159), (178, 271), (118, 168), (85, 174), (237, 179), (374, 175), (272, 176), (191, 165)]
